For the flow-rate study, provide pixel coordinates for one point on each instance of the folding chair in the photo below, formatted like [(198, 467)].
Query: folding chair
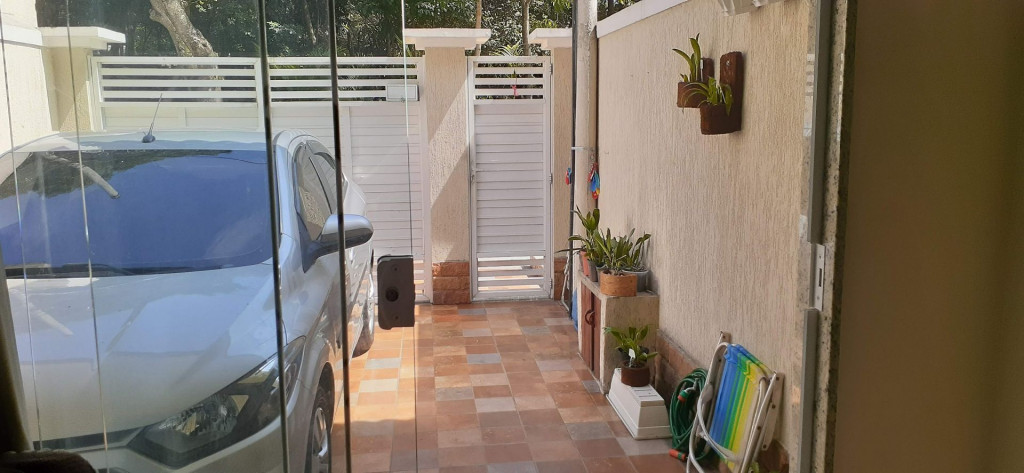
[(737, 410)]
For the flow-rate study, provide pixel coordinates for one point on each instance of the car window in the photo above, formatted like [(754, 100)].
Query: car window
[(313, 204), (329, 179), (328, 162), (149, 211)]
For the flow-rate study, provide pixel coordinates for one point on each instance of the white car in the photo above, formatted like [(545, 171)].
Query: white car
[(155, 332)]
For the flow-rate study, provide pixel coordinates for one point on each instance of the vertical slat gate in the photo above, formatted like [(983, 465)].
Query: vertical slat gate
[(510, 147)]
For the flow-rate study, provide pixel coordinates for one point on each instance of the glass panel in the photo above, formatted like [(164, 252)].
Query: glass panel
[(381, 144), (53, 319), (175, 274), (139, 232)]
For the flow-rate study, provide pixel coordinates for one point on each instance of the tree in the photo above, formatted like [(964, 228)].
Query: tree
[(526, 27), (296, 27), (479, 22), (173, 15)]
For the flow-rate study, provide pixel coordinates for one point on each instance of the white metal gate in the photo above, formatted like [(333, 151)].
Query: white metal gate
[(510, 156), (381, 140)]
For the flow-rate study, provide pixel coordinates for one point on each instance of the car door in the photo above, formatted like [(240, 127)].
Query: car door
[(359, 258), (321, 270)]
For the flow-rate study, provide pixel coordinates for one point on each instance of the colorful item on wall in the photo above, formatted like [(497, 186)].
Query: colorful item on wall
[(595, 182), (568, 176)]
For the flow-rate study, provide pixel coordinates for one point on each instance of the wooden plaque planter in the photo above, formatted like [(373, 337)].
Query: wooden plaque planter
[(713, 118), (685, 97)]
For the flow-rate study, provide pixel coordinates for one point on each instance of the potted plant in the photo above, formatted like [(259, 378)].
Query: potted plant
[(616, 252), (691, 82), (716, 101), (590, 255), (635, 370), (635, 262)]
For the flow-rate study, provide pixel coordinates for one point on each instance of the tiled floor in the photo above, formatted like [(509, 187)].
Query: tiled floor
[(499, 387)]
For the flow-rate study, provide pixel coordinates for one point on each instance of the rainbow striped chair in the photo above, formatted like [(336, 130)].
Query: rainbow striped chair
[(737, 410)]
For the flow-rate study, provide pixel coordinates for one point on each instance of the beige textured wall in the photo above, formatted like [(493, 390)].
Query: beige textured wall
[(25, 70), (19, 13), (28, 96), (925, 290), (561, 140), (69, 87), (724, 211), (445, 94)]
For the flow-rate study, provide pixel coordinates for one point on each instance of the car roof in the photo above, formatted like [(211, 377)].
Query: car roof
[(228, 140)]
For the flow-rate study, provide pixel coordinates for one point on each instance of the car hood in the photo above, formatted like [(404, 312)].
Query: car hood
[(163, 342)]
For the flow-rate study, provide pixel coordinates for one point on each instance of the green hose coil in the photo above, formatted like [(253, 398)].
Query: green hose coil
[(682, 411)]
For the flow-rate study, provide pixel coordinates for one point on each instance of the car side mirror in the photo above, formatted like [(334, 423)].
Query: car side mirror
[(358, 230), (329, 234)]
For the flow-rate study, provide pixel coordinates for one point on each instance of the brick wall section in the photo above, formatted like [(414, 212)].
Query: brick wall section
[(451, 282), (558, 278), (672, 366)]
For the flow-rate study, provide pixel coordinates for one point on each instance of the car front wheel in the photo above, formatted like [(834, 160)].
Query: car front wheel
[(318, 457)]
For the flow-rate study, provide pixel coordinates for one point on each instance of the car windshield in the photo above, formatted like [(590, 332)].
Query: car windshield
[(148, 211)]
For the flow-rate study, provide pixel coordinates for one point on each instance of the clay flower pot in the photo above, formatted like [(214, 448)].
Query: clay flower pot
[(635, 377), (584, 264), (623, 285), (687, 96)]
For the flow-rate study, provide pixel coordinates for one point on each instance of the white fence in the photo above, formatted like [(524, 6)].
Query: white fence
[(382, 142)]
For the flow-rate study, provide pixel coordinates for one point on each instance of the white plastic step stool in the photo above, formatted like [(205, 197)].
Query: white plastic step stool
[(641, 409)]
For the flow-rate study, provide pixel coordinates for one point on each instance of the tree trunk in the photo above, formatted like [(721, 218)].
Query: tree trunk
[(526, 28), (173, 15), (479, 22), (308, 22)]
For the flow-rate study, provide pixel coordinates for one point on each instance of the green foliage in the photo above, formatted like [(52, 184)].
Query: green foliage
[(715, 93), (694, 61), (622, 253), (617, 254), (756, 468), (632, 339), (302, 27), (611, 7), (589, 242), (509, 50), (590, 221)]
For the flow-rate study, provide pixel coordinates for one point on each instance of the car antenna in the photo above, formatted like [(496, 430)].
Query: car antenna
[(149, 138)]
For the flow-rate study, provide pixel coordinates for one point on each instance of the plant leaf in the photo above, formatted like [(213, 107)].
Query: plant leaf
[(697, 59)]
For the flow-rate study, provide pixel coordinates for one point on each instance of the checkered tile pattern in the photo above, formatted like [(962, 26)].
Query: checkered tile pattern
[(488, 388)]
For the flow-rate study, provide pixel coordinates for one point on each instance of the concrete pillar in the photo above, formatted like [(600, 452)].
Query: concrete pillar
[(69, 78), (559, 42), (445, 92), (586, 100), (25, 80)]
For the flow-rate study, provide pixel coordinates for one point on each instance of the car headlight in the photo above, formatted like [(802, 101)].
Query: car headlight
[(223, 419)]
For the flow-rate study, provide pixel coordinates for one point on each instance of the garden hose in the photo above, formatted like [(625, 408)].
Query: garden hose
[(682, 412)]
